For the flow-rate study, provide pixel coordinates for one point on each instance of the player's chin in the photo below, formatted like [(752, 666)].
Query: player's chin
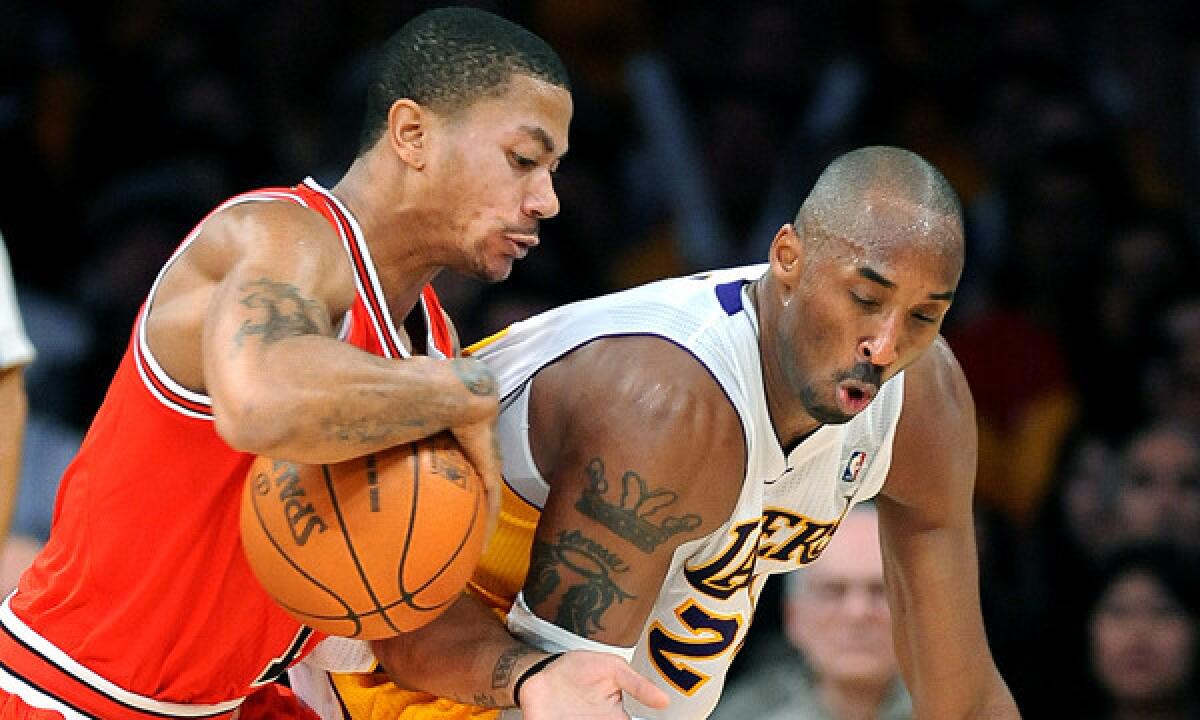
[(829, 414), (493, 269), (499, 270)]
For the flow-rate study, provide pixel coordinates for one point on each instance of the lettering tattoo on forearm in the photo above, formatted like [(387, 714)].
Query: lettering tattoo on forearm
[(502, 673), (583, 603), (287, 313), (365, 429), (639, 515), (475, 375)]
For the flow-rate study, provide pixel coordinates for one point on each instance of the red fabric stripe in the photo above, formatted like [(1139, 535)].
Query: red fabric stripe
[(52, 681), (437, 322), (364, 277), (166, 391)]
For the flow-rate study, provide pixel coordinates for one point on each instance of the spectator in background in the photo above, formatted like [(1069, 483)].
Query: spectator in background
[(1144, 637), (15, 353), (1173, 379), (840, 664), (1158, 497)]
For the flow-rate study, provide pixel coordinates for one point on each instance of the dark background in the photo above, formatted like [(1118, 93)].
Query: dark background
[(1070, 130)]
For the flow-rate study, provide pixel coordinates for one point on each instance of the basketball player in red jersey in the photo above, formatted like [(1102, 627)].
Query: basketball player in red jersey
[(278, 328)]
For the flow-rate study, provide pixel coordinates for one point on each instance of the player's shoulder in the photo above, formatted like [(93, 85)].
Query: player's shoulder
[(643, 389), (935, 443), (652, 374), (270, 220), (274, 237), (936, 394)]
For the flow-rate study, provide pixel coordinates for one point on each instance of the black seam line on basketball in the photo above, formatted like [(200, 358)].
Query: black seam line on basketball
[(462, 543), (362, 574), (350, 615), (405, 596)]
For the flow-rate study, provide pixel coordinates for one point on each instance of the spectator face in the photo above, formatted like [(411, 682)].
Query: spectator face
[(838, 618), (1142, 641), (1160, 493)]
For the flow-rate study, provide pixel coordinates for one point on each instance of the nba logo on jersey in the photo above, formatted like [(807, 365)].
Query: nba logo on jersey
[(854, 465)]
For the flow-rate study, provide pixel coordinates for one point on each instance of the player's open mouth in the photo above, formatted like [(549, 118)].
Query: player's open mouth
[(853, 397)]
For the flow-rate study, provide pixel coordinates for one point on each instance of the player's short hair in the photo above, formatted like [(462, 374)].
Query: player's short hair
[(448, 58), (852, 181)]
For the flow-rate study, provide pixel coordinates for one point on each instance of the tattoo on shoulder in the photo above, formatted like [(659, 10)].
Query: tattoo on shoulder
[(285, 312), (502, 673), (586, 570), (484, 700), (475, 375), (639, 515)]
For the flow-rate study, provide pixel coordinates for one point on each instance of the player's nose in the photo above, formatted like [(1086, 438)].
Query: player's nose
[(541, 200), (879, 347)]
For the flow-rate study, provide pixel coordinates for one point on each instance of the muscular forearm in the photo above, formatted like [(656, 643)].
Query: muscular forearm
[(313, 399), (466, 655), (13, 409)]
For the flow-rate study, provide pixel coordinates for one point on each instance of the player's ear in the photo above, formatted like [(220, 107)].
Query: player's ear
[(787, 253), (406, 132)]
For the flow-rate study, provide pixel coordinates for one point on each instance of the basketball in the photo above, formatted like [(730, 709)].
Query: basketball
[(370, 547)]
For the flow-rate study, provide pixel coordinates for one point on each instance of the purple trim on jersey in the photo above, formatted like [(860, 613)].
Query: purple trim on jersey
[(730, 296), (594, 338)]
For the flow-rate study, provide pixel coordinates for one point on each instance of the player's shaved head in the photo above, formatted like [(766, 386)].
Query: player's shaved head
[(883, 196)]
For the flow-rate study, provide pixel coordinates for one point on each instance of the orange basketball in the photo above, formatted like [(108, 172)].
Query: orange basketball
[(367, 548)]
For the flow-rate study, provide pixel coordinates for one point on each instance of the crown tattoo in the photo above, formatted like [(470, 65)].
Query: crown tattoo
[(637, 517)]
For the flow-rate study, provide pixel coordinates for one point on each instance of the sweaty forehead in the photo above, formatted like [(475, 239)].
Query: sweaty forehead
[(891, 239), (882, 223)]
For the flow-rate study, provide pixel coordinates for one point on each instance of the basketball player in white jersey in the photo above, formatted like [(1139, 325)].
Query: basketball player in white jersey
[(667, 447)]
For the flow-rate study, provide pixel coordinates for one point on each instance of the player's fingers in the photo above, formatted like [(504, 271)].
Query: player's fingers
[(641, 689), (492, 487)]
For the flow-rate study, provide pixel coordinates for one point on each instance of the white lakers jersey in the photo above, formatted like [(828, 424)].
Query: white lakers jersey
[(788, 508)]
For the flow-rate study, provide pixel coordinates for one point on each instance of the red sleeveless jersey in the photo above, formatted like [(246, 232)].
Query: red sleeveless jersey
[(142, 603)]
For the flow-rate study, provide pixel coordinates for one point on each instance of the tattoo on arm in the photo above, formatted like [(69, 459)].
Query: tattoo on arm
[(484, 700), (584, 603), (502, 673), (475, 375), (639, 515), (287, 313), (367, 430)]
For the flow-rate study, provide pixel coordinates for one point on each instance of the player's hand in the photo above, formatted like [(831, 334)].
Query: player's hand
[(584, 685), (482, 448)]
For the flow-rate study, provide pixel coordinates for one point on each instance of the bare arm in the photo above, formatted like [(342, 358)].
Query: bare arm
[(246, 315), (12, 430), (662, 445), (468, 656), (928, 541)]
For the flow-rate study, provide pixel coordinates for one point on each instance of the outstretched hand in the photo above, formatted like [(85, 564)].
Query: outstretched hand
[(585, 685)]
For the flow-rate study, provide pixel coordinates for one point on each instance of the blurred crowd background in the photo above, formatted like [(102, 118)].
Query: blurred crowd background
[(1071, 131)]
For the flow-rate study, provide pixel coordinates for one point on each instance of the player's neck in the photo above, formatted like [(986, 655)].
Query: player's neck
[(404, 265), (791, 424)]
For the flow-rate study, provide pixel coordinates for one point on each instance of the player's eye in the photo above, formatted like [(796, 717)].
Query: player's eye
[(523, 162), (864, 301)]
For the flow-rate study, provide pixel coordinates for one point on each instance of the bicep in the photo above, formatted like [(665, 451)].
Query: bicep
[(276, 285), (629, 485)]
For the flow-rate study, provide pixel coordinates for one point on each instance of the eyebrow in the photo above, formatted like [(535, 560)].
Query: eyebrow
[(875, 277), (540, 135)]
